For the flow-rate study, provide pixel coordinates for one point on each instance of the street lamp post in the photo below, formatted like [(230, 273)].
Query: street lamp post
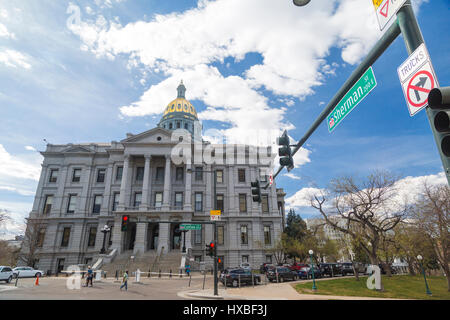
[(312, 270), (104, 230), (216, 280), (184, 240), (419, 257)]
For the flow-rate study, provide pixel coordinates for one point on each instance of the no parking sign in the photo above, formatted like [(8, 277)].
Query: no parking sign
[(417, 78)]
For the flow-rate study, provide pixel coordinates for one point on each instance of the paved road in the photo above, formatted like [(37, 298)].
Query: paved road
[(56, 289)]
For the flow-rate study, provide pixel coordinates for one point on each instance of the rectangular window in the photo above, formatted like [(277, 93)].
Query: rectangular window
[(220, 235), (137, 199), (268, 259), (60, 264), (198, 201), (116, 201), (76, 175), (158, 199), (262, 175), (198, 259), (244, 234), (179, 174), (241, 175), (65, 237), (48, 204), (244, 259), (139, 173), (219, 175), (53, 175), (198, 173), (72, 203), (159, 174), (198, 236), (220, 202), (243, 202), (97, 204), (267, 236), (265, 203), (119, 173), (101, 175), (41, 237), (92, 236), (178, 199)]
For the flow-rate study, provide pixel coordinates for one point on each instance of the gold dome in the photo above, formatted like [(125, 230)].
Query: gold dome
[(180, 105)]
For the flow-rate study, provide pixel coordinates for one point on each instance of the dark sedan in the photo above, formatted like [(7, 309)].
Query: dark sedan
[(239, 276), (281, 274), (307, 273)]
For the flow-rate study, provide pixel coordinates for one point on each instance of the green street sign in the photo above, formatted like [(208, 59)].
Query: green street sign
[(352, 98), (191, 227)]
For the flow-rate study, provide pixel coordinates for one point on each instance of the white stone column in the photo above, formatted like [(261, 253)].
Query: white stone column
[(124, 183), (140, 242), (163, 240), (209, 194), (188, 188), (167, 184), (146, 185), (117, 236), (232, 209), (107, 192)]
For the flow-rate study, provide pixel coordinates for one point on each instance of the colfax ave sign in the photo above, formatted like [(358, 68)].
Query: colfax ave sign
[(352, 98)]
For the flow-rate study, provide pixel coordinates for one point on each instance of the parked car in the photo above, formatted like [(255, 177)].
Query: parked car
[(306, 272), (6, 274), (232, 277), (27, 272), (246, 266), (347, 268), (297, 266), (280, 274), (330, 269)]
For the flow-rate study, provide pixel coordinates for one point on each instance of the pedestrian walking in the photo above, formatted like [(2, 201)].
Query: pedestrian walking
[(125, 281), (188, 269), (90, 276)]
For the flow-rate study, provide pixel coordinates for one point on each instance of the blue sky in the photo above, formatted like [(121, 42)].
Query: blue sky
[(113, 68)]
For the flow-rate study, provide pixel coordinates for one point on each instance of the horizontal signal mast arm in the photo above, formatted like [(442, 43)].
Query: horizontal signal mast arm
[(386, 40)]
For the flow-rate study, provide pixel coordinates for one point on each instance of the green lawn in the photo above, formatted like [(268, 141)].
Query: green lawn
[(400, 287)]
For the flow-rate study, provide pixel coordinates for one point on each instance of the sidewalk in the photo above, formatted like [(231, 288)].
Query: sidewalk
[(275, 291)]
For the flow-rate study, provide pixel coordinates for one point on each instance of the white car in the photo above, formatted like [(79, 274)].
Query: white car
[(6, 274), (27, 272)]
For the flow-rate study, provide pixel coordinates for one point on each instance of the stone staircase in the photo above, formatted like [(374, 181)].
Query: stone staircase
[(144, 262)]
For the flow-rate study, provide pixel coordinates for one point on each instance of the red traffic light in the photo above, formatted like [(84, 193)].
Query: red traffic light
[(211, 244), (219, 261), (125, 218)]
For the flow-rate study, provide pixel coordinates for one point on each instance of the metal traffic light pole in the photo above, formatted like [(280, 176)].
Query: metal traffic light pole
[(405, 24)]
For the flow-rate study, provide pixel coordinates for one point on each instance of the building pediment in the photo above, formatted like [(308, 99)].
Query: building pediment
[(77, 149), (155, 135)]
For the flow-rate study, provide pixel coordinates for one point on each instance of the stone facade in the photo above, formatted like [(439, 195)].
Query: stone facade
[(84, 187)]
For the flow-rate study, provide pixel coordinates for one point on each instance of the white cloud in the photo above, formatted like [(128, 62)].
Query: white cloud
[(5, 33), (19, 173), (292, 176), (30, 148), (293, 43), (17, 211), (13, 58), (406, 189)]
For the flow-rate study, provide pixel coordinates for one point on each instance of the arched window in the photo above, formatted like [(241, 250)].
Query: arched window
[(170, 125)]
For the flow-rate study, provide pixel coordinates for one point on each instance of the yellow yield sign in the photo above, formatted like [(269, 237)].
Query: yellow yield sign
[(376, 3)]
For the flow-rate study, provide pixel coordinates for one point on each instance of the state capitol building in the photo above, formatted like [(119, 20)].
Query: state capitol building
[(84, 187)]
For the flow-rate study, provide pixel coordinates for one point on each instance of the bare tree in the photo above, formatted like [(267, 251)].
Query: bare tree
[(4, 216), (364, 211), (431, 214), (33, 240)]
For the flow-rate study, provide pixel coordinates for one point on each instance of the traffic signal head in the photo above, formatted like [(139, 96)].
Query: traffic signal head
[(211, 249), (285, 152), (125, 222), (439, 101), (256, 191)]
